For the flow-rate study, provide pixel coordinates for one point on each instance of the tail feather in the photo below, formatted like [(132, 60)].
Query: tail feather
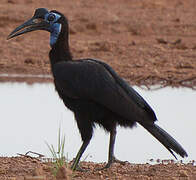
[(164, 138)]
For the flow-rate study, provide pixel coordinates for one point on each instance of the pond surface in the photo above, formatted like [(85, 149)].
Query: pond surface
[(31, 115)]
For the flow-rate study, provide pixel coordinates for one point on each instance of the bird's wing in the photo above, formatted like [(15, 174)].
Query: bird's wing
[(96, 81)]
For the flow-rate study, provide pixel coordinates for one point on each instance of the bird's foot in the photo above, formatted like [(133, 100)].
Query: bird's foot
[(78, 168), (105, 167), (115, 160)]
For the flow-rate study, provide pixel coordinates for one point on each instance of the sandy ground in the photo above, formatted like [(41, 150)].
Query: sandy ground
[(148, 42), (21, 168)]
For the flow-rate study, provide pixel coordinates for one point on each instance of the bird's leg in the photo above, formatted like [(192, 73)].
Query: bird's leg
[(75, 165), (111, 148), (111, 157)]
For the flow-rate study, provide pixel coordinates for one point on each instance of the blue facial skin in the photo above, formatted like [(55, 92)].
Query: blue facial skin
[(55, 28)]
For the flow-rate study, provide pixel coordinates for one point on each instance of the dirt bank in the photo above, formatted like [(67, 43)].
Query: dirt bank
[(21, 168), (147, 42)]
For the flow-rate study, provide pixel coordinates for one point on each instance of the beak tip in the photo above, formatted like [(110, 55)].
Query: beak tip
[(9, 36)]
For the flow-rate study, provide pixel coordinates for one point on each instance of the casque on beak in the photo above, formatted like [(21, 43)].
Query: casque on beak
[(31, 25)]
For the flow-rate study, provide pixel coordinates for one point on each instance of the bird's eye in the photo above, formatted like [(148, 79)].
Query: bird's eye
[(51, 17)]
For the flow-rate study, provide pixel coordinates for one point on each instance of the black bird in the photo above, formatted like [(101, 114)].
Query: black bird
[(93, 90)]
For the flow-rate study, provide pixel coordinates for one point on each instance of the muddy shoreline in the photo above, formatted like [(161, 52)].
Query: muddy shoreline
[(146, 42)]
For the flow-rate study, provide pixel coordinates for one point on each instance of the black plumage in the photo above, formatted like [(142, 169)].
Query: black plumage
[(93, 90)]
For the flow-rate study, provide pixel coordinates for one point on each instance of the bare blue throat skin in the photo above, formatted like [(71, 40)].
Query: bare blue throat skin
[(55, 27)]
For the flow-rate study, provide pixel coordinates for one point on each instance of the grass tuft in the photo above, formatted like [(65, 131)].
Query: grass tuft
[(58, 156)]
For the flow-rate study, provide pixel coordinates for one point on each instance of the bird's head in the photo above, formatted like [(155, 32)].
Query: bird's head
[(51, 21)]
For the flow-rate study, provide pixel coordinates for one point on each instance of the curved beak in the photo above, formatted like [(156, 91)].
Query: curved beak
[(31, 25)]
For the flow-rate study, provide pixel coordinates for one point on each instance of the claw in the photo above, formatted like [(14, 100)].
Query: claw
[(105, 167), (78, 168), (114, 160)]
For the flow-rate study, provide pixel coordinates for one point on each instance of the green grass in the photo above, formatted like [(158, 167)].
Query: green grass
[(58, 156)]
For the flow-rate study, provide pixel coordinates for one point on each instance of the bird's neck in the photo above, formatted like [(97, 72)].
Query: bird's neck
[(60, 52)]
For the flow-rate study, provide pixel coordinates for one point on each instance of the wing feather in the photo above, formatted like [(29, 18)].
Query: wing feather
[(96, 81)]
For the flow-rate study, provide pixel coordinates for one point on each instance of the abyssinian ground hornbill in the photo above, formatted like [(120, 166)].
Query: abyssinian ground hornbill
[(93, 90)]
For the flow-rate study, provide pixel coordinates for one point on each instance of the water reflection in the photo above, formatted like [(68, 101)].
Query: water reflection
[(31, 115)]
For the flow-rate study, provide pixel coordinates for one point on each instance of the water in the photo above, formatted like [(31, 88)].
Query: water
[(31, 115)]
